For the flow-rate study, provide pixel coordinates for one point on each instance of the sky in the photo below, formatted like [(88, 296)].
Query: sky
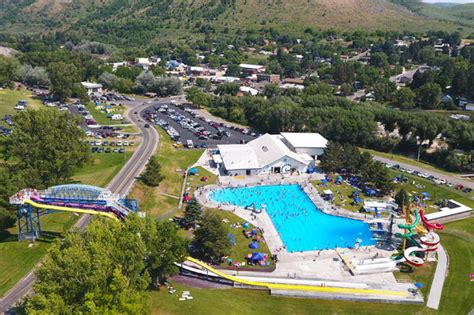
[(450, 1)]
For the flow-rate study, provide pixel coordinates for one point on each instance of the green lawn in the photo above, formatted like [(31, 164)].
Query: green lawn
[(403, 159), (9, 98), (239, 301), (18, 258), (241, 249), (102, 169), (341, 194), (101, 117), (437, 192), (164, 198), (458, 239)]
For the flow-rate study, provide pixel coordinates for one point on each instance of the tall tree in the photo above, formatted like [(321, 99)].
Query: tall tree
[(210, 240), (8, 70), (46, 146), (192, 213), (65, 81), (402, 199), (152, 175), (106, 269)]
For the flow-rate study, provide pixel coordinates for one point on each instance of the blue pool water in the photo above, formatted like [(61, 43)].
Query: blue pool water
[(301, 225)]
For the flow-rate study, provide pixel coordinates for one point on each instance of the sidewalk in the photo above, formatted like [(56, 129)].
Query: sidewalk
[(434, 297)]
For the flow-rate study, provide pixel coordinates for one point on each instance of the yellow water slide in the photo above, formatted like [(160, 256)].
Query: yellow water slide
[(300, 287), (67, 209)]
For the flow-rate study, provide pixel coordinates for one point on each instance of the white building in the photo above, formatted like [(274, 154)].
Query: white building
[(268, 154), (312, 144), (92, 88)]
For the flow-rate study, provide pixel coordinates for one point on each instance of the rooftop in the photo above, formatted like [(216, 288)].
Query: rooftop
[(305, 140)]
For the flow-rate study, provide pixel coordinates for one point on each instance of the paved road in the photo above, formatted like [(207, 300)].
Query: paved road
[(449, 178), (120, 185), (438, 281)]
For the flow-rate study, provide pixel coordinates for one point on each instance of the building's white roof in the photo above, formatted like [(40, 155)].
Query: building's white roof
[(91, 85), (446, 211), (249, 90), (199, 69), (305, 140), (249, 66), (238, 157), (257, 153)]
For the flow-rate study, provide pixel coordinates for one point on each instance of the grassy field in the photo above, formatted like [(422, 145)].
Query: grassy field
[(437, 192), (101, 117), (21, 258), (241, 249), (9, 98), (18, 258), (160, 200), (341, 194), (403, 159), (102, 169)]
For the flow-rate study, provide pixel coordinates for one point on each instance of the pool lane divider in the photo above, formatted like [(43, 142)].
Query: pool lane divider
[(295, 287)]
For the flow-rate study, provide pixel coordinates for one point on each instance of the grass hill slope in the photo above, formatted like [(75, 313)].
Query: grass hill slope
[(125, 21), (461, 14)]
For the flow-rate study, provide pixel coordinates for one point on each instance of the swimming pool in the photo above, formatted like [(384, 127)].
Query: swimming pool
[(301, 225)]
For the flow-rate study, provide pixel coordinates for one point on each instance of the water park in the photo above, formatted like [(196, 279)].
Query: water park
[(32, 204), (321, 250)]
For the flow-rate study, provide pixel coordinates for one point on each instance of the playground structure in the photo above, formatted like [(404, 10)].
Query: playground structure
[(33, 204), (426, 241)]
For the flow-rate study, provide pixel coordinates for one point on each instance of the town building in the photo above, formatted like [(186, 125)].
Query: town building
[(92, 88), (271, 154), (272, 78), (249, 69)]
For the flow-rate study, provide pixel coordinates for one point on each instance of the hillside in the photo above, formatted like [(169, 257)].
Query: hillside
[(461, 14), (124, 22)]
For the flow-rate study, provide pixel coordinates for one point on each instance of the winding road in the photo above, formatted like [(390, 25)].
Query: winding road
[(119, 185)]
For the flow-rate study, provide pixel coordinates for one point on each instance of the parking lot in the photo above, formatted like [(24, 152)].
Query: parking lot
[(189, 129)]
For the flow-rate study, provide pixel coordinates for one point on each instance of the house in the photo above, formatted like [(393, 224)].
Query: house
[(295, 81), (466, 104), (198, 71), (249, 69), (92, 88), (272, 78), (146, 63), (268, 154), (246, 90)]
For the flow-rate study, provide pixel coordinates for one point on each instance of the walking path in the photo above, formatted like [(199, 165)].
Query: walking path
[(434, 297)]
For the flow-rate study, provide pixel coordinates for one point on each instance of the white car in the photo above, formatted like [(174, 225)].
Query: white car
[(98, 142), (125, 143), (119, 143)]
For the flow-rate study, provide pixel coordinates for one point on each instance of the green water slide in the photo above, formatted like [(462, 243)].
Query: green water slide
[(410, 227)]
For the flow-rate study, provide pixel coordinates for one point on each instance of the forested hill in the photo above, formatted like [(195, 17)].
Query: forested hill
[(134, 21)]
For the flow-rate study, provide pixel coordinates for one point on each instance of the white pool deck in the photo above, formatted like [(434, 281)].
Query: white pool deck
[(318, 264)]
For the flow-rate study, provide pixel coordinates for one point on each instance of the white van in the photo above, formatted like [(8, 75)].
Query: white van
[(190, 144)]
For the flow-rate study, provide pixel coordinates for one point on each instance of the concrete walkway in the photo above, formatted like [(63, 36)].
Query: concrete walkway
[(434, 297)]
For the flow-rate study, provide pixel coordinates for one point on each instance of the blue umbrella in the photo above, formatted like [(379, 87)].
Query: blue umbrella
[(254, 245), (425, 194), (256, 257), (419, 285)]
